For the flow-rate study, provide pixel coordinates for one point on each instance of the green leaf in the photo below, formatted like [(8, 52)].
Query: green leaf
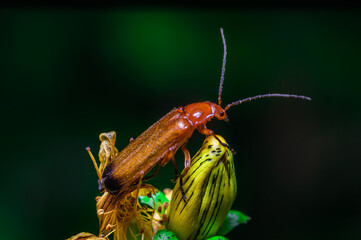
[(159, 198), (233, 219), (165, 234), (217, 238)]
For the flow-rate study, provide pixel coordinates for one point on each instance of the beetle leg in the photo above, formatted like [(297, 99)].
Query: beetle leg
[(175, 169), (160, 164), (180, 177), (187, 164), (187, 160), (204, 130), (138, 187), (154, 174)]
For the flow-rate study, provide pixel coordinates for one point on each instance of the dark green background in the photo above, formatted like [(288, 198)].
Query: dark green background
[(68, 75)]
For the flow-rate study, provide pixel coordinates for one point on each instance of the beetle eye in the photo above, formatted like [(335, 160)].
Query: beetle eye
[(221, 114)]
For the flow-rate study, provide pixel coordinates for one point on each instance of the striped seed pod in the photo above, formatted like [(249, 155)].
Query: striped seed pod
[(210, 186)]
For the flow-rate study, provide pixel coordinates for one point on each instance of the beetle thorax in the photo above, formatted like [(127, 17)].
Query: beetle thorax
[(200, 113)]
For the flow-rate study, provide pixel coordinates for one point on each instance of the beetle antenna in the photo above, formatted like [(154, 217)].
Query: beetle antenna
[(266, 96), (223, 68)]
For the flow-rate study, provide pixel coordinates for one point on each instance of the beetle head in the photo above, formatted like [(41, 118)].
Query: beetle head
[(219, 112)]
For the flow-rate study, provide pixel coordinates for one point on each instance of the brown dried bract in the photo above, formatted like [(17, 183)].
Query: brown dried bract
[(85, 236)]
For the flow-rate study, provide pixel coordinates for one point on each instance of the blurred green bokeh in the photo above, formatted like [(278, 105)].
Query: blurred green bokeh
[(69, 74)]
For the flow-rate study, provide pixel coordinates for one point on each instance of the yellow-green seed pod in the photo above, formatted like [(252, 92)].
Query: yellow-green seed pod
[(210, 186)]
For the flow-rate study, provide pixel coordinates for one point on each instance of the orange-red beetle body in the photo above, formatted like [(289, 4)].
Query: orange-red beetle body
[(158, 144)]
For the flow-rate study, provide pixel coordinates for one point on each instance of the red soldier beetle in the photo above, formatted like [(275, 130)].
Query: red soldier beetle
[(159, 143)]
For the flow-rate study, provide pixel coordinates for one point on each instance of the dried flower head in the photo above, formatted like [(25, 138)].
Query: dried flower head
[(123, 216)]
